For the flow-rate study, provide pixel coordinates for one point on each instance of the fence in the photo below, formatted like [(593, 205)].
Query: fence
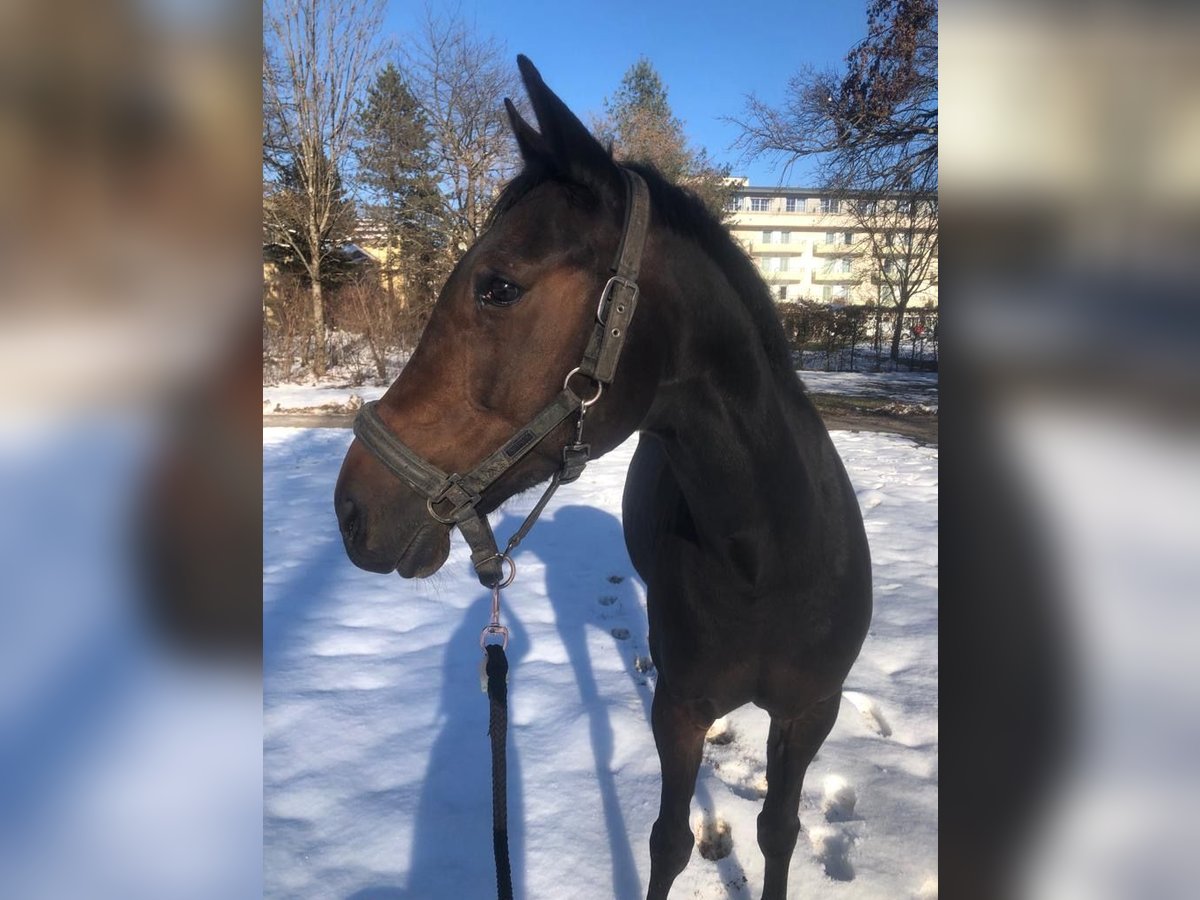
[(850, 338)]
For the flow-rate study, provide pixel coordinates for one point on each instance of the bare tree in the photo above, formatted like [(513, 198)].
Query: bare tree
[(317, 57), (901, 234), (461, 80), (873, 127), (364, 309)]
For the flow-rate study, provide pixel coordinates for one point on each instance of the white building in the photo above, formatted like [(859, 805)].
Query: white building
[(807, 248)]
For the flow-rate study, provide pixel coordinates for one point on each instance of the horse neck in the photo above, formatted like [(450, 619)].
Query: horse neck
[(729, 422)]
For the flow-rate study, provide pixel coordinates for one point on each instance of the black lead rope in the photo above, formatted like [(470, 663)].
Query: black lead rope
[(497, 690)]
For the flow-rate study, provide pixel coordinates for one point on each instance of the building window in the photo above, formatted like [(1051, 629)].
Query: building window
[(830, 205), (733, 204), (783, 292), (784, 236), (795, 204), (826, 293), (776, 264), (760, 204), (766, 238)]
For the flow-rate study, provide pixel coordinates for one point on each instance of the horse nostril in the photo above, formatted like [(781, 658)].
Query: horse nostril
[(348, 518)]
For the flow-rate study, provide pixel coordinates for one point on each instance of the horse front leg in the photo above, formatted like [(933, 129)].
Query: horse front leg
[(679, 736), (791, 746)]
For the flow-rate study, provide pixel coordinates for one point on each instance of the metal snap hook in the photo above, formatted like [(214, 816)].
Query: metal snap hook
[(494, 631)]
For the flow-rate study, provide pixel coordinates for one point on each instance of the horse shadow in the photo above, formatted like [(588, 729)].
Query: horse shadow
[(589, 584), (584, 555)]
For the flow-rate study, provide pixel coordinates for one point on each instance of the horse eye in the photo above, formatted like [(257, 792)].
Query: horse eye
[(497, 291)]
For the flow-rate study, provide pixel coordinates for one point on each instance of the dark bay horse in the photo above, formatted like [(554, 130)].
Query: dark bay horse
[(738, 513)]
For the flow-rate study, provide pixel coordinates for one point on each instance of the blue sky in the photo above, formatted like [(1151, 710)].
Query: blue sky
[(709, 54)]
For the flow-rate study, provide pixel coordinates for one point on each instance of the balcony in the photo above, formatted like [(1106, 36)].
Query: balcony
[(766, 248), (836, 278), (839, 249)]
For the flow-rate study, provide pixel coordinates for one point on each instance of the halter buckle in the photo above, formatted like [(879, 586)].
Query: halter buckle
[(464, 500), (607, 293)]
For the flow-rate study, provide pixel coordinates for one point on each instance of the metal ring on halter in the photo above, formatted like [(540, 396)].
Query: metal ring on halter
[(594, 397), (497, 630), (512, 569)]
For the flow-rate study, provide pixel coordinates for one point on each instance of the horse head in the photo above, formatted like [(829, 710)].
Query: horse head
[(512, 320)]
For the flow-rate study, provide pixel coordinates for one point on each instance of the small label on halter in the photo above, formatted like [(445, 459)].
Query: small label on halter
[(519, 443)]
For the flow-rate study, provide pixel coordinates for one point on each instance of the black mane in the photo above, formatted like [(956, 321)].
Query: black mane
[(685, 213)]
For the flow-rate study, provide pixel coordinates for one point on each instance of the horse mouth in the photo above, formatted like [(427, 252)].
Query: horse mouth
[(425, 553)]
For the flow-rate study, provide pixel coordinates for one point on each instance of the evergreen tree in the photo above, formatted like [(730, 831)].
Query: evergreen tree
[(396, 169), (289, 240), (640, 126)]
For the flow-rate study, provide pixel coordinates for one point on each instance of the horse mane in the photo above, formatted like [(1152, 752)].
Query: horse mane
[(685, 213)]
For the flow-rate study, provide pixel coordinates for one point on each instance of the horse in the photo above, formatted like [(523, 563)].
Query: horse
[(738, 514)]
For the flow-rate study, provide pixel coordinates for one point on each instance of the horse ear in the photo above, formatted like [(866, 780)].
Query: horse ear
[(571, 147), (529, 142)]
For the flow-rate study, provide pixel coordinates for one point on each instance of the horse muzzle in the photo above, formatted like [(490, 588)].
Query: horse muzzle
[(392, 532)]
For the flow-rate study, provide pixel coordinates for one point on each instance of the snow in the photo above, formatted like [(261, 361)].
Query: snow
[(903, 387), (376, 771), (137, 766), (279, 397)]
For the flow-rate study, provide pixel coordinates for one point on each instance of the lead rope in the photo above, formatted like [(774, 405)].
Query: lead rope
[(497, 690), (494, 640)]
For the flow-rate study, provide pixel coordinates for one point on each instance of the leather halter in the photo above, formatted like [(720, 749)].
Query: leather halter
[(452, 499)]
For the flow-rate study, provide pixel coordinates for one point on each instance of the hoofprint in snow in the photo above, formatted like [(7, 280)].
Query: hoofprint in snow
[(376, 767)]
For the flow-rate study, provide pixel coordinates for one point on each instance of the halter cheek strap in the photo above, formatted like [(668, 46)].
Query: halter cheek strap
[(453, 499)]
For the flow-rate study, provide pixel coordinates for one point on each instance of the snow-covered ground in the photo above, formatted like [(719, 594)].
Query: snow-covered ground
[(280, 397), (375, 748), (903, 387)]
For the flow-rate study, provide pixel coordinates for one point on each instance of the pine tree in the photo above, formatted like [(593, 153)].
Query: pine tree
[(396, 170), (640, 126), (288, 238)]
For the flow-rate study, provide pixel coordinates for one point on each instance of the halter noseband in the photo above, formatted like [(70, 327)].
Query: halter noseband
[(453, 499)]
